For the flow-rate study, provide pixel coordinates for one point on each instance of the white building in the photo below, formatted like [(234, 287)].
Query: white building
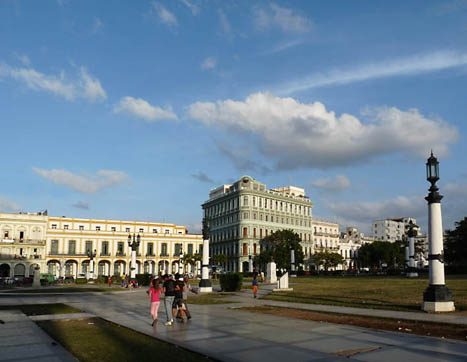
[(349, 244), (392, 229), (325, 235), (22, 244)]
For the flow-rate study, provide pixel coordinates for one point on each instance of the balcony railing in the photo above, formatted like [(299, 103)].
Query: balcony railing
[(105, 253), (18, 241), (120, 253), (164, 255), (55, 253), (150, 254)]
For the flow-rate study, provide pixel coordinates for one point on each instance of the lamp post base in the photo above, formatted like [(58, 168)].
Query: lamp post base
[(437, 298), (205, 286)]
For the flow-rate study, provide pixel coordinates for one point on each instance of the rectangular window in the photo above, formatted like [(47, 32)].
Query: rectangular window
[(154, 231), (245, 249), (71, 247), (245, 232), (54, 247), (141, 230), (245, 201), (245, 215), (260, 233), (81, 227), (150, 249), (88, 246), (164, 250), (178, 249), (120, 248), (54, 226), (98, 228), (65, 227), (190, 249), (113, 228), (127, 230), (105, 248), (254, 232)]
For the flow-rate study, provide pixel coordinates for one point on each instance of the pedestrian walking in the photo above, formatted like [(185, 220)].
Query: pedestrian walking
[(110, 281), (169, 296), (188, 288), (177, 304), (155, 294), (255, 287)]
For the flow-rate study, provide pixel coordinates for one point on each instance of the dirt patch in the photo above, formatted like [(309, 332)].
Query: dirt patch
[(450, 331)]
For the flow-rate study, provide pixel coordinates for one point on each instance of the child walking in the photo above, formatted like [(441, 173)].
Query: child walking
[(255, 287), (155, 295)]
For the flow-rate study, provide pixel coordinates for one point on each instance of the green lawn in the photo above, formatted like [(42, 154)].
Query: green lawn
[(209, 298), (42, 309), (95, 339), (395, 293), (65, 289)]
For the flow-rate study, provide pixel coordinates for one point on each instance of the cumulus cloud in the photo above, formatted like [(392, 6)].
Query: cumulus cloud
[(141, 108), (164, 15), (404, 66), (192, 6), (201, 176), (294, 134), (84, 205), (84, 86), (286, 19), (338, 184), (8, 206), (85, 183), (242, 159), (209, 63)]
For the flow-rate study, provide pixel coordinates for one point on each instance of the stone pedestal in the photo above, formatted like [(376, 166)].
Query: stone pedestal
[(283, 284), (271, 276), (36, 283)]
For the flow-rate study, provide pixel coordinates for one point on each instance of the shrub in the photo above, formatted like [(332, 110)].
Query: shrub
[(116, 279), (81, 280), (231, 282), (143, 279), (102, 279)]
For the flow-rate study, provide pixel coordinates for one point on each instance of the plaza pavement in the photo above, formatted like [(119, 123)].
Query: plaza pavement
[(227, 334)]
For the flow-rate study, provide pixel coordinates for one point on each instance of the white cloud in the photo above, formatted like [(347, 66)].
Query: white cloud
[(8, 206), (24, 59), (192, 6), (85, 183), (92, 88), (209, 63), (294, 134), (283, 46), (412, 65), (84, 86), (164, 15), (338, 184), (286, 19), (84, 205), (140, 108), (97, 25)]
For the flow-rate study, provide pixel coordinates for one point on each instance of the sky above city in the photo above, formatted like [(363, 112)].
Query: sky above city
[(136, 109)]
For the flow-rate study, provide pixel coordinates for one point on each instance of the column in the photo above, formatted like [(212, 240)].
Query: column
[(205, 284)]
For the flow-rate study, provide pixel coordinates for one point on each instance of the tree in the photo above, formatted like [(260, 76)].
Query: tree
[(278, 245), (381, 252), (219, 259), (455, 244), (327, 259)]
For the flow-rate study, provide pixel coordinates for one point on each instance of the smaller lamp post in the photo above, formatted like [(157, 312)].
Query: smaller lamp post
[(91, 255), (293, 274), (437, 297), (180, 264), (133, 243), (412, 271)]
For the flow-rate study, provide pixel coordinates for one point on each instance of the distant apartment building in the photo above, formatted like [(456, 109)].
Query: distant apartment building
[(349, 244), (238, 216), (22, 244), (60, 245), (325, 235), (392, 229)]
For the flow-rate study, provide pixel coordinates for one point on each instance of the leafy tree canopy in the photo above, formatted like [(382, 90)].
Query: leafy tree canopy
[(455, 244), (219, 259), (278, 245), (381, 252), (327, 259)]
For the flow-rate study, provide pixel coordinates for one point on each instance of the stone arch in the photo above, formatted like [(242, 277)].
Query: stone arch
[(53, 267), (32, 267), (103, 268), (174, 268), (4, 270), (71, 268), (20, 270), (119, 267)]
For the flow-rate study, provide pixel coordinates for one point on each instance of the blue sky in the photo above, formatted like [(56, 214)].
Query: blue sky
[(135, 110)]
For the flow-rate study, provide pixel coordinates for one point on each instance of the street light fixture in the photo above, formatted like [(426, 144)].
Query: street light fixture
[(437, 297), (91, 255), (133, 243)]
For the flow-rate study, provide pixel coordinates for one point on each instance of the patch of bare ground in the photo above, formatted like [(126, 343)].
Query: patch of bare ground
[(449, 331)]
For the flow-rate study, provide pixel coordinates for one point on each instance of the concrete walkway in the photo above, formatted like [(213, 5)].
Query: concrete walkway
[(22, 340), (233, 335)]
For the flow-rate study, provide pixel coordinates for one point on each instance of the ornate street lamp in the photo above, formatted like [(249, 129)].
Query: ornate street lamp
[(437, 297), (205, 284), (293, 274), (91, 255), (133, 243)]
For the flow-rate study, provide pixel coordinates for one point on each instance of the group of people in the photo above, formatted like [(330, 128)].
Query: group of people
[(175, 292)]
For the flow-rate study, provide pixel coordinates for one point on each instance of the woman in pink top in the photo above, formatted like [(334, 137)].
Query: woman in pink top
[(155, 294)]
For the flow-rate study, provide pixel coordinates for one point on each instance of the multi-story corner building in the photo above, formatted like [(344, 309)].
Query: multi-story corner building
[(60, 245), (22, 244), (392, 229), (69, 240), (349, 244), (238, 216), (325, 235)]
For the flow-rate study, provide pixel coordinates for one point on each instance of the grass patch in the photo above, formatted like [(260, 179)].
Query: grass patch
[(67, 289), (95, 339), (432, 329), (42, 309), (391, 293), (210, 298)]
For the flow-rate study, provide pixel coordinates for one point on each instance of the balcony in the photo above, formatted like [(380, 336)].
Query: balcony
[(164, 255), (150, 254), (120, 253), (55, 253), (18, 241), (106, 253)]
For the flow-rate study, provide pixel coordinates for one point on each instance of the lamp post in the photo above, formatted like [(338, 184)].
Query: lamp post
[(91, 255), (412, 272), (292, 263), (180, 263), (133, 243), (205, 283), (437, 297)]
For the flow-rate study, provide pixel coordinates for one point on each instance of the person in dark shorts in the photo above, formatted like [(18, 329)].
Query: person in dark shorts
[(169, 296), (178, 300)]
